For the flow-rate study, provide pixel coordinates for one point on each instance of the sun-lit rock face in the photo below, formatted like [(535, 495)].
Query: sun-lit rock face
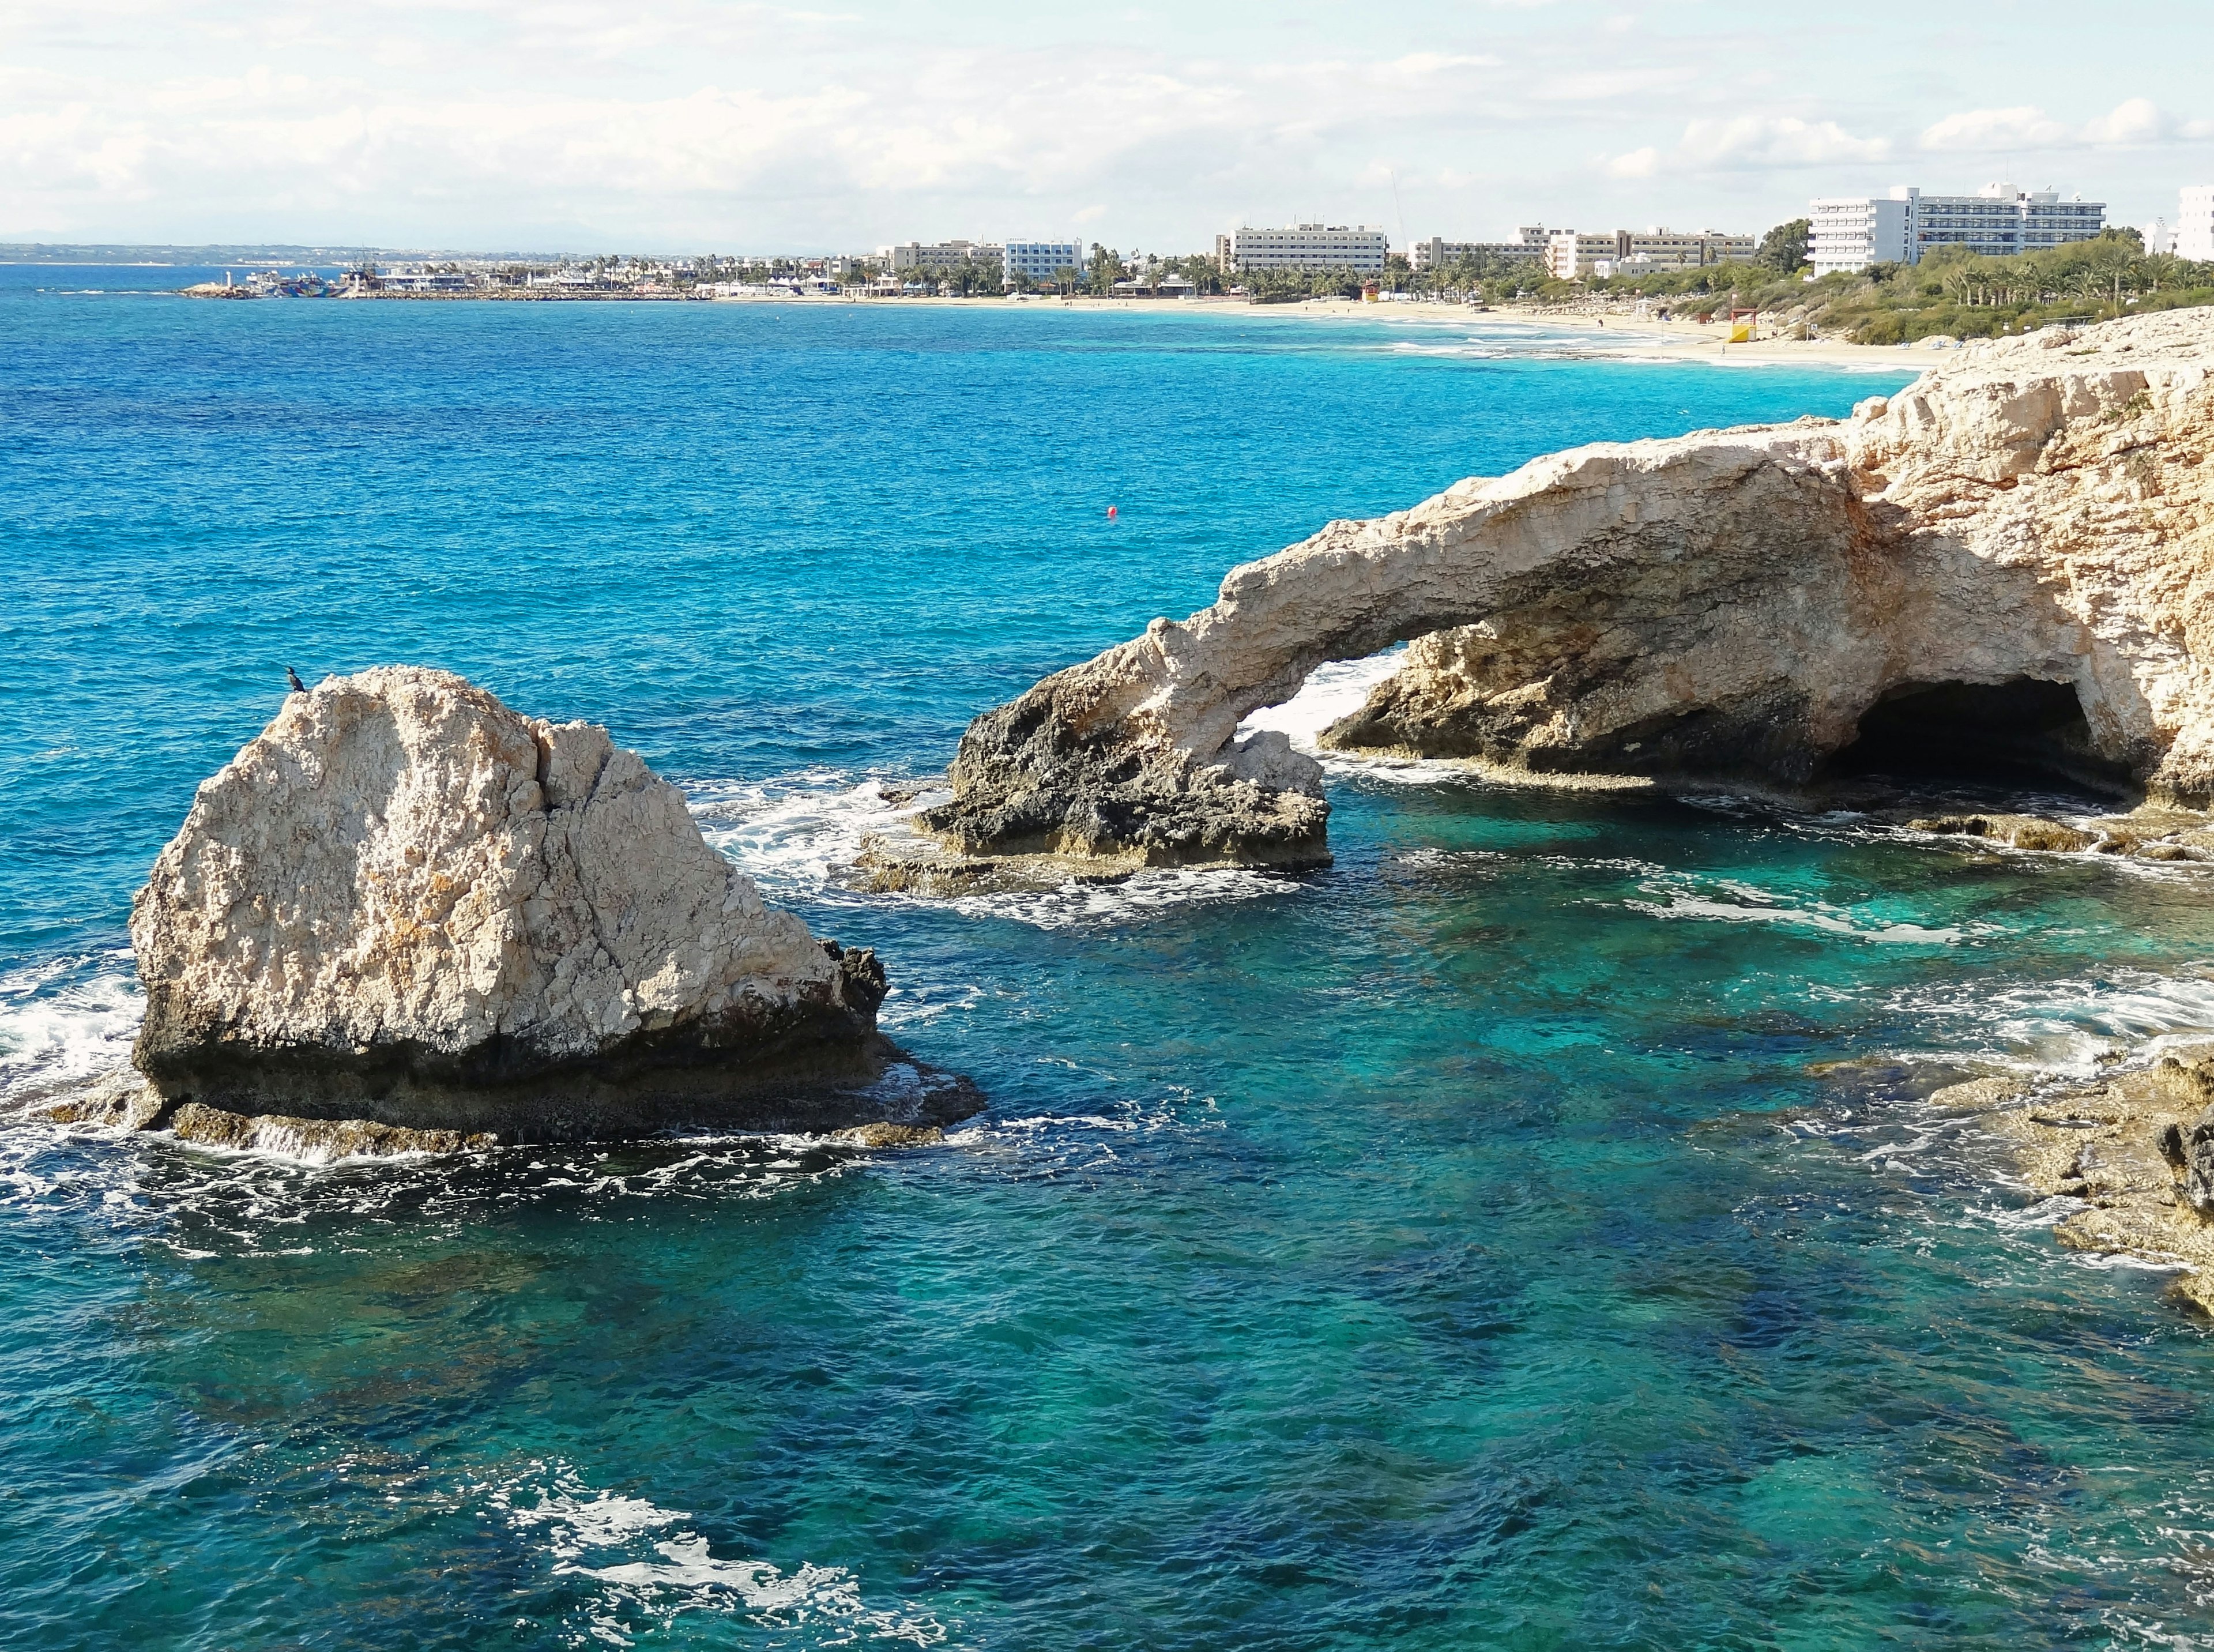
[(2031, 520), (403, 902)]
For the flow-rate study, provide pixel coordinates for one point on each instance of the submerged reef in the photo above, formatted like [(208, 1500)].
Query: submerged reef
[(2009, 564), (406, 910)]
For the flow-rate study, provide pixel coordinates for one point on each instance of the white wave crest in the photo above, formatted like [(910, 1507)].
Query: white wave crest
[(790, 833), (2070, 1027), (1143, 894), (1331, 691), (67, 1018), (1679, 895), (651, 1568), (793, 836)]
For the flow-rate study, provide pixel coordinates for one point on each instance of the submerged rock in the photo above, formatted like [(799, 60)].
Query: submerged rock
[(406, 905), (2020, 831), (2010, 562)]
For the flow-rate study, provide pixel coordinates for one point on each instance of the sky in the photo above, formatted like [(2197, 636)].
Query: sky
[(686, 126)]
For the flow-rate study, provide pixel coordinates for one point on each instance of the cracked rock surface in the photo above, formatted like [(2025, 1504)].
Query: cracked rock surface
[(403, 904), (1728, 603), (2135, 1152)]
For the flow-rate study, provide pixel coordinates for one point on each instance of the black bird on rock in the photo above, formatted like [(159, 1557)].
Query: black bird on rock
[(293, 678)]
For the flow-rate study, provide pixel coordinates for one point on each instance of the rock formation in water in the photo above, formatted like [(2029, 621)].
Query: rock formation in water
[(2012, 558), (2135, 1149), (406, 905)]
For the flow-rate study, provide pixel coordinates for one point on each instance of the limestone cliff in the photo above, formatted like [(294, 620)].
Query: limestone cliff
[(2016, 551), (405, 904)]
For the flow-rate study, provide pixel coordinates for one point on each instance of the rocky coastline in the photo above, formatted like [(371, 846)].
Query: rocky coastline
[(2004, 570), (2134, 1153), (2010, 562), (406, 918)]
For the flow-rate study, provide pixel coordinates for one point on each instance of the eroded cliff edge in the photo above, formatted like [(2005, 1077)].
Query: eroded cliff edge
[(2022, 541), (405, 906)]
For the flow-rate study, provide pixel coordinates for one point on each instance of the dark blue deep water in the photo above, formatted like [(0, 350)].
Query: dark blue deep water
[(1527, 1233)]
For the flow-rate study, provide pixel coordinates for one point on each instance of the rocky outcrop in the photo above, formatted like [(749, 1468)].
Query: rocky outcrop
[(2136, 1151), (2013, 558), (406, 905)]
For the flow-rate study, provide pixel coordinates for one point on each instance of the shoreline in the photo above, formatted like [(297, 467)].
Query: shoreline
[(1643, 338)]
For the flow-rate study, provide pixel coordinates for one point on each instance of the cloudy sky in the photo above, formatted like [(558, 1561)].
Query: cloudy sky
[(676, 125)]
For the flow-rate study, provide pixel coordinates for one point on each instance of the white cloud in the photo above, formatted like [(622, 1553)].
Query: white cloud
[(1759, 141), (2132, 122), (1609, 85), (1417, 64), (1996, 129), (1750, 144), (746, 125), (2137, 121)]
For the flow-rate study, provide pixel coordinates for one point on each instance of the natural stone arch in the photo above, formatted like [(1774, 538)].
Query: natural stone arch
[(1728, 602)]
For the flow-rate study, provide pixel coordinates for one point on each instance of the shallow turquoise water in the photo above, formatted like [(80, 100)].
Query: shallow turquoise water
[(1526, 1233)]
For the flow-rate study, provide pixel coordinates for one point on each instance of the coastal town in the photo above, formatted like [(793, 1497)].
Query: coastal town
[(1997, 260)]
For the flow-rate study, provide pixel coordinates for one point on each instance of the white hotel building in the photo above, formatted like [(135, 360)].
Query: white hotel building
[(1437, 252), (1849, 232), (1569, 255), (1303, 247), (939, 254), (1042, 260), (2194, 224)]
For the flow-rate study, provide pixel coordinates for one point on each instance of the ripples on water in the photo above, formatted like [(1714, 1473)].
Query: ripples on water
[(1528, 1233)]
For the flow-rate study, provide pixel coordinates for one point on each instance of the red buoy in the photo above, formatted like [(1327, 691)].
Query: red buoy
[(1111, 510)]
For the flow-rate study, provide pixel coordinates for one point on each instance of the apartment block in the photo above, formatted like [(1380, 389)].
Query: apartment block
[(1570, 256), (1437, 252), (940, 255), (1303, 247), (1849, 232), (2194, 224), (1042, 260)]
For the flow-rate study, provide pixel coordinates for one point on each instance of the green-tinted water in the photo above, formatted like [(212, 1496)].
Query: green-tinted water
[(1527, 1233)]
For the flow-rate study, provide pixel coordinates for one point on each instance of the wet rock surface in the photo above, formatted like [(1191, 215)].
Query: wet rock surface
[(909, 1104), (1038, 777), (2136, 1149), (2149, 834)]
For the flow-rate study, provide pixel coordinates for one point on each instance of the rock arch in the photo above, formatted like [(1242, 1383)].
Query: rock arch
[(1730, 603)]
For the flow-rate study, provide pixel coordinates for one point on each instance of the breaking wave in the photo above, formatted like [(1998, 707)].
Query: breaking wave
[(2072, 1027), (66, 1019), (641, 1567), (1723, 900), (796, 835)]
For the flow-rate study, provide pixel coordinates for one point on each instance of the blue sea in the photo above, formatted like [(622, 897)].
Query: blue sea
[(1529, 1233)]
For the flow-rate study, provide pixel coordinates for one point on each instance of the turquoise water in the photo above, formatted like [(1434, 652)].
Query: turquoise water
[(1527, 1233)]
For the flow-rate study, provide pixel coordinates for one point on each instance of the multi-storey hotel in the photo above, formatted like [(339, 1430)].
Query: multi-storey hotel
[(1852, 232), (1437, 252), (1039, 260), (1849, 232), (2194, 224), (1303, 247), (1569, 255), (1042, 260), (940, 255)]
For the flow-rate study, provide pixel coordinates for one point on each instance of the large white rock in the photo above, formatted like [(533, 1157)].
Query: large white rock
[(404, 901), (2036, 511)]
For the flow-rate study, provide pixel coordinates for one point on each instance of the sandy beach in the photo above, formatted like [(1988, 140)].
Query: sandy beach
[(1686, 341), (1620, 335)]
